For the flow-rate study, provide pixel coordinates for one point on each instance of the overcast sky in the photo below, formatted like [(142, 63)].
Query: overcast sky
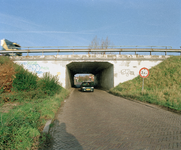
[(77, 22)]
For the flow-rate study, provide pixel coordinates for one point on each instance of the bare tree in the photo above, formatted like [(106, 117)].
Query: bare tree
[(105, 43), (97, 44)]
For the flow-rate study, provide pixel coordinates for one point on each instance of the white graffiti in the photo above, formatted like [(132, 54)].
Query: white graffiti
[(127, 72), (34, 67)]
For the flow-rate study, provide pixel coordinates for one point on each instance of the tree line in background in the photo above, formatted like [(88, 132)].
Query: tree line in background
[(84, 78)]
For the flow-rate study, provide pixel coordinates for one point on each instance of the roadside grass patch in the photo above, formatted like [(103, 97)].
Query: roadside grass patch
[(21, 127), (162, 86), (36, 99)]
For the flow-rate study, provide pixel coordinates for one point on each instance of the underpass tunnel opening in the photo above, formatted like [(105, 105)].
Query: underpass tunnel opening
[(102, 72), (78, 78)]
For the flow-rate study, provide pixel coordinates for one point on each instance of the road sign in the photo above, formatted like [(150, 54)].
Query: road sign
[(144, 72)]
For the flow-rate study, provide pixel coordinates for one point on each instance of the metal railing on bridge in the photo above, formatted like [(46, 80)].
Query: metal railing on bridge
[(93, 49)]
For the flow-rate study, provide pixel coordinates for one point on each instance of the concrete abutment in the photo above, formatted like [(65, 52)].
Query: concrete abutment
[(108, 70)]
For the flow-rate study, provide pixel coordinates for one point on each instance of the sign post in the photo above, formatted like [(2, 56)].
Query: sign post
[(144, 72)]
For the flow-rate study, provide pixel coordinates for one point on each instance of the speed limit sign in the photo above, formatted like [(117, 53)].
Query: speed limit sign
[(144, 72)]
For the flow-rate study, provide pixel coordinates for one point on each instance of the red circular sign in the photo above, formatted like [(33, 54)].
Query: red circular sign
[(144, 72)]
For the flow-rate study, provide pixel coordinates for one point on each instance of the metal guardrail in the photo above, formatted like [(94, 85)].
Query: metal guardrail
[(73, 49), (96, 47)]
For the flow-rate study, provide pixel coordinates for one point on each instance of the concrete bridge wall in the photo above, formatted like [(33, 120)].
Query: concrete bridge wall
[(109, 70)]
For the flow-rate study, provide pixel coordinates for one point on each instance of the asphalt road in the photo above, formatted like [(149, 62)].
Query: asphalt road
[(100, 121)]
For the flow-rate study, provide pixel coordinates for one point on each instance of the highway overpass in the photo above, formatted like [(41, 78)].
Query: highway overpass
[(108, 69)]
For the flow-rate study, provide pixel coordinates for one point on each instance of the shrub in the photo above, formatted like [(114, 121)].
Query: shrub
[(4, 60), (24, 80), (49, 84)]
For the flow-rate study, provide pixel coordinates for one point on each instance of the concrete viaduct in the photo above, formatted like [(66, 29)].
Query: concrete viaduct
[(108, 69)]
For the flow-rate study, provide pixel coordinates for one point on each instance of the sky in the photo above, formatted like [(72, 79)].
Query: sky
[(77, 22)]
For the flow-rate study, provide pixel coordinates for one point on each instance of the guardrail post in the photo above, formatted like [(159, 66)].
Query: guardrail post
[(150, 52), (165, 52)]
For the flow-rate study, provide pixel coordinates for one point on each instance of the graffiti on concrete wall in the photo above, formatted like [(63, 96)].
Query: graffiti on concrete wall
[(127, 72), (35, 67)]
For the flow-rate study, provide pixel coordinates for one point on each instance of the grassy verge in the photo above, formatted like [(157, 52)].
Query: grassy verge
[(161, 87), (21, 127), (26, 102)]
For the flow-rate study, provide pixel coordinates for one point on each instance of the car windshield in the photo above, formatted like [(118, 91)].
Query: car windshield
[(87, 84)]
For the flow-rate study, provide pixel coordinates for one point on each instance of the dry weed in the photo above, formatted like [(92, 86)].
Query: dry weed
[(7, 73)]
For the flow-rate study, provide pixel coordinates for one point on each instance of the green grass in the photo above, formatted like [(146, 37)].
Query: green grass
[(4, 60), (161, 87), (24, 80), (38, 100), (21, 127)]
